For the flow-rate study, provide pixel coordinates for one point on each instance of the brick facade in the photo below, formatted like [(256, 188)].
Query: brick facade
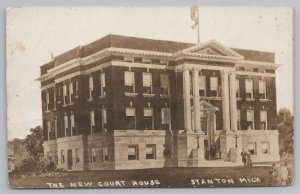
[(67, 94)]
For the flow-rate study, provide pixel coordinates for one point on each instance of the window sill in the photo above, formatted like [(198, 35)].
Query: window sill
[(131, 94), (58, 102), (264, 100), (76, 96), (250, 99), (90, 99), (64, 105), (148, 95), (165, 96), (47, 111), (54, 109), (72, 103)]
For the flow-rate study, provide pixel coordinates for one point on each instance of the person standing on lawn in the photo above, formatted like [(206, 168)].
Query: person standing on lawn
[(244, 154)]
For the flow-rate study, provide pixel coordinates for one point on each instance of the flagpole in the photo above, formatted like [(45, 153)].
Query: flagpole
[(198, 30)]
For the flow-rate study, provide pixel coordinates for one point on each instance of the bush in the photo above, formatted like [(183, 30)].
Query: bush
[(34, 166)]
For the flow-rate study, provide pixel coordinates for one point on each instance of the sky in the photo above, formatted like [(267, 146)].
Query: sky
[(33, 33)]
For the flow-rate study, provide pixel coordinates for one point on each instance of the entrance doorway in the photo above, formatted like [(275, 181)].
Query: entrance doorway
[(70, 159)]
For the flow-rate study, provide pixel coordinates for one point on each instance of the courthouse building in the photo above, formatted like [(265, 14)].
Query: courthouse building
[(128, 103)]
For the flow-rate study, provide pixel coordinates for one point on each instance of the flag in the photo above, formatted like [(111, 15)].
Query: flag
[(194, 16)]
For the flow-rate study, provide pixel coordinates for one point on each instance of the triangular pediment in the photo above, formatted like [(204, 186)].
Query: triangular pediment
[(205, 105), (211, 48), (209, 51)]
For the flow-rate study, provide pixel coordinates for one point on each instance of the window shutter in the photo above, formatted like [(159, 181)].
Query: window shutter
[(147, 79), (202, 83)]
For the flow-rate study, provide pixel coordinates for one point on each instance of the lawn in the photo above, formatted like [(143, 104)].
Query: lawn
[(166, 177)]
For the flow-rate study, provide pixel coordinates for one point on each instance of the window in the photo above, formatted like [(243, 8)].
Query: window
[(102, 84), (237, 83), (66, 124), (92, 120), (262, 89), (263, 120), (72, 123), (130, 118), (47, 101), (250, 119), (248, 69), (265, 147), (213, 86), (150, 151), (129, 82), (249, 88), (105, 154), (77, 155), (165, 118), (58, 94), (49, 130), (104, 119), (54, 99), (238, 112), (148, 118), (252, 148), (202, 86), (93, 155), (133, 152), (165, 84), (76, 89), (70, 92), (91, 87), (147, 83), (62, 154), (64, 94), (55, 126)]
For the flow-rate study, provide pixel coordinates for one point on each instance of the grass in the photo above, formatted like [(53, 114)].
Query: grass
[(166, 177)]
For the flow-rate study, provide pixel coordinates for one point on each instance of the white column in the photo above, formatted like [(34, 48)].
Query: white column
[(187, 100), (196, 100), (233, 109), (225, 100)]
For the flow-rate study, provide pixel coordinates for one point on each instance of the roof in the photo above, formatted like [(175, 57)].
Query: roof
[(127, 42)]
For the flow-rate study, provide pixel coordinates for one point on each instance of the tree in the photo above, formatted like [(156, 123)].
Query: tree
[(285, 121), (34, 142)]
